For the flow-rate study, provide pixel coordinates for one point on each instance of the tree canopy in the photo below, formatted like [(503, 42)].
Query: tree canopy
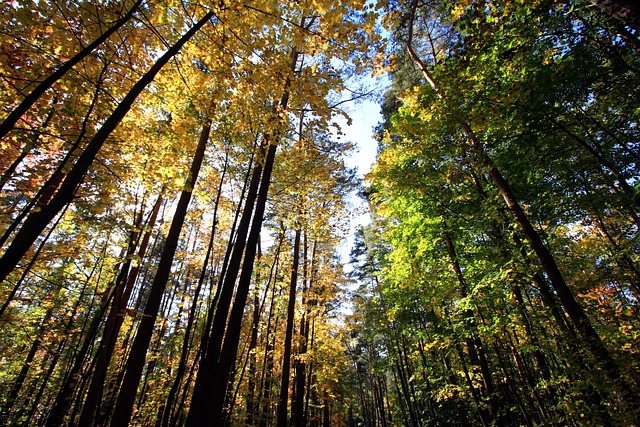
[(175, 196)]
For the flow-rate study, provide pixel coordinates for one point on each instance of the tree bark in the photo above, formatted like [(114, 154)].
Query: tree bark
[(283, 400), (115, 318), (208, 395), (167, 416)]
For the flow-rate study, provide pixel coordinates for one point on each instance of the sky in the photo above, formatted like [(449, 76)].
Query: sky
[(365, 116)]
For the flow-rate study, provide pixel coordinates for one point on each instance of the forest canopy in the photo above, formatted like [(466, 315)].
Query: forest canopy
[(175, 195)]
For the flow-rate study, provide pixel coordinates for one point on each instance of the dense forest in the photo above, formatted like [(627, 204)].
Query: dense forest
[(175, 197)]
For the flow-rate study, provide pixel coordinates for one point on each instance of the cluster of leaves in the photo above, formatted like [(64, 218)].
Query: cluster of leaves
[(461, 314), (258, 73)]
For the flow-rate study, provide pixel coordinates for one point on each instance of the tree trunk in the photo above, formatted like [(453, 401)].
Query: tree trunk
[(167, 416), (212, 340), (208, 395), (232, 335), (283, 400), (299, 366)]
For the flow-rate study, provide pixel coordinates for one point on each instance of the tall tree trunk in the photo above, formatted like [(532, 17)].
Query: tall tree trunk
[(283, 400), (208, 395), (297, 412), (48, 189), (231, 245), (122, 292), (135, 363), (232, 335), (66, 393), (266, 381), (474, 344), (212, 340), (36, 222), (252, 408), (167, 416)]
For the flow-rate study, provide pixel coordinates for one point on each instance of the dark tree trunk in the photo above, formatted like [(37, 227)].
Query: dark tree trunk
[(283, 400), (212, 340), (10, 399), (232, 336), (122, 293), (209, 391), (297, 410), (167, 418)]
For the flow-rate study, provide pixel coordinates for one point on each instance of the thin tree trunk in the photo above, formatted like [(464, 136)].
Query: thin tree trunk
[(232, 336), (66, 393), (6, 176), (115, 318), (473, 343), (22, 375), (208, 395), (283, 400), (251, 397), (167, 416), (297, 410)]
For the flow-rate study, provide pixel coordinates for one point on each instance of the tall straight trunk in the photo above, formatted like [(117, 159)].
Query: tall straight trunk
[(66, 392), (474, 344), (251, 395), (231, 244), (266, 380), (403, 376), (37, 221), (9, 123), (135, 363), (212, 340), (297, 410), (178, 377), (124, 286), (283, 400)]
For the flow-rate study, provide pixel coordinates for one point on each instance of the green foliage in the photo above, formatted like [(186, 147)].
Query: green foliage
[(549, 90)]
